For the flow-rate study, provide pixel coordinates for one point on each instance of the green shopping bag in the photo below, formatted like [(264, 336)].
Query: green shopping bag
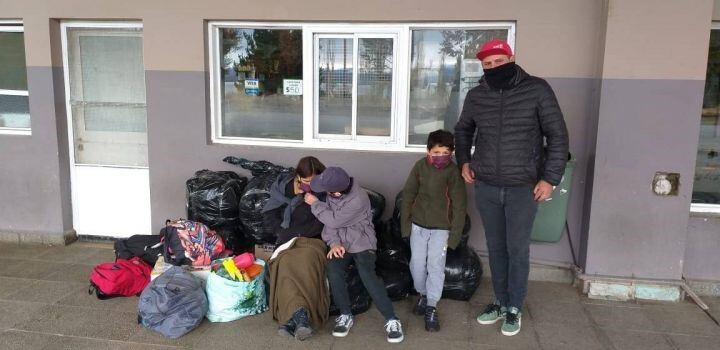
[(232, 300)]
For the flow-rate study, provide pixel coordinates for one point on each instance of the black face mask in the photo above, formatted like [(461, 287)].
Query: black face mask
[(500, 76)]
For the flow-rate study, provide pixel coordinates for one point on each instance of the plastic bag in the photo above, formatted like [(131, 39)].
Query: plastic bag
[(213, 197), (393, 260), (235, 238), (359, 297), (257, 168), (463, 271), (398, 283), (256, 195), (232, 300), (377, 204), (393, 252)]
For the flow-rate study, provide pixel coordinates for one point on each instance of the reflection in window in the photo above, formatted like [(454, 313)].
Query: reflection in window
[(107, 96), (261, 70), (335, 77), (14, 109), (443, 69), (375, 73), (707, 167)]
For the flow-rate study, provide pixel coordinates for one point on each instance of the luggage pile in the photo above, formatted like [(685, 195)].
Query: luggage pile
[(194, 277), (202, 270)]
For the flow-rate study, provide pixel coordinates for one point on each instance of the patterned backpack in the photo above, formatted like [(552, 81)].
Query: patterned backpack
[(190, 243)]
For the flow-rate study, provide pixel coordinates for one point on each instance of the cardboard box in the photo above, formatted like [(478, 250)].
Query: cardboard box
[(200, 272), (264, 251)]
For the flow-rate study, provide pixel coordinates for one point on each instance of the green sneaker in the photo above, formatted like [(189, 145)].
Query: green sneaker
[(492, 313), (512, 323)]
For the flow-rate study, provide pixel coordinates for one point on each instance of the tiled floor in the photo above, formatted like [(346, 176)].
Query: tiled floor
[(44, 305)]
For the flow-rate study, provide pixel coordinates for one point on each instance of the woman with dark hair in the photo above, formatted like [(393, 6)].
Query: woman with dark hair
[(299, 298)]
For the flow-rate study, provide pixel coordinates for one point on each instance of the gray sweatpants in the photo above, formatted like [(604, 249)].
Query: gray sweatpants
[(427, 263)]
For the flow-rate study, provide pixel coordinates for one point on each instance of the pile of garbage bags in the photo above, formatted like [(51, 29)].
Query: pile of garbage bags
[(213, 198), (463, 268), (232, 206), (256, 195)]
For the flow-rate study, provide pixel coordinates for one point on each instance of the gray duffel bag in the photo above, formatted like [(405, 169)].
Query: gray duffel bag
[(173, 304)]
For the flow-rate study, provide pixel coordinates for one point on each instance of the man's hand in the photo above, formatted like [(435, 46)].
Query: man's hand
[(336, 251), (542, 190), (467, 173), (310, 198)]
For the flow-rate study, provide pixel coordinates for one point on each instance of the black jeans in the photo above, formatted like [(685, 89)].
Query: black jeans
[(365, 263), (508, 214)]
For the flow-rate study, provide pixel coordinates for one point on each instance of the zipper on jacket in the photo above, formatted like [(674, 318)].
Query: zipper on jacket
[(499, 136)]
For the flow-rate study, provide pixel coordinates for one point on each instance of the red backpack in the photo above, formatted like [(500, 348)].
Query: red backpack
[(122, 278)]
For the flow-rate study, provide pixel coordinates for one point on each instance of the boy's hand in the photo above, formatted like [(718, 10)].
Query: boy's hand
[(467, 173), (336, 251), (310, 198)]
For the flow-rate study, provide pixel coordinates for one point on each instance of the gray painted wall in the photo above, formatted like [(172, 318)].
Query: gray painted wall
[(35, 195), (644, 126), (177, 125)]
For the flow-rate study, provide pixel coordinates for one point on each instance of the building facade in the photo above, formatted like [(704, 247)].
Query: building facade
[(106, 108)]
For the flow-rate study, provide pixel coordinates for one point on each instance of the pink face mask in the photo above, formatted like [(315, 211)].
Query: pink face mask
[(440, 162), (305, 187)]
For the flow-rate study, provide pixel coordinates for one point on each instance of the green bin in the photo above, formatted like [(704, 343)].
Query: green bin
[(552, 214)]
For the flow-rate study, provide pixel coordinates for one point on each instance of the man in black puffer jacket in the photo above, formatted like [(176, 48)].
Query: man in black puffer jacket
[(521, 148)]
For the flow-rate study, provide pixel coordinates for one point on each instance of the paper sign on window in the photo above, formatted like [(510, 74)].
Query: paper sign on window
[(293, 87), (252, 87)]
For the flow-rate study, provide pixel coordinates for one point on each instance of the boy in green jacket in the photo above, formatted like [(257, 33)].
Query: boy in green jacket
[(433, 215)]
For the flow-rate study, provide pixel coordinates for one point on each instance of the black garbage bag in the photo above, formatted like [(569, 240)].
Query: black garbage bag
[(213, 197), (398, 283), (393, 252), (393, 264), (256, 195), (463, 271), (359, 297), (252, 202), (257, 168), (377, 204), (235, 238)]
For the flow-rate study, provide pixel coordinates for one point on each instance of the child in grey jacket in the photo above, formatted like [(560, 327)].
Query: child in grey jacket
[(350, 233)]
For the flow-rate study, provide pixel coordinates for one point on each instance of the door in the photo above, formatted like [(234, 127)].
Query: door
[(107, 128)]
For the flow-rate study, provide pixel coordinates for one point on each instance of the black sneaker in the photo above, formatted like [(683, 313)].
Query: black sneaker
[(420, 306), (288, 329), (432, 320), (343, 323), (302, 324), (393, 328)]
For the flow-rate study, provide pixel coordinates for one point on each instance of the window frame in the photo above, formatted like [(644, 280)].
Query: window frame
[(15, 26), (402, 32), (705, 208), (65, 26)]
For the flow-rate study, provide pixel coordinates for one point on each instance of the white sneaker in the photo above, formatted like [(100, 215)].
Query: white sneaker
[(343, 323), (393, 328)]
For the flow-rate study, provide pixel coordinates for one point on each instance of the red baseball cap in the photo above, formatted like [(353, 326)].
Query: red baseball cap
[(494, 47)]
